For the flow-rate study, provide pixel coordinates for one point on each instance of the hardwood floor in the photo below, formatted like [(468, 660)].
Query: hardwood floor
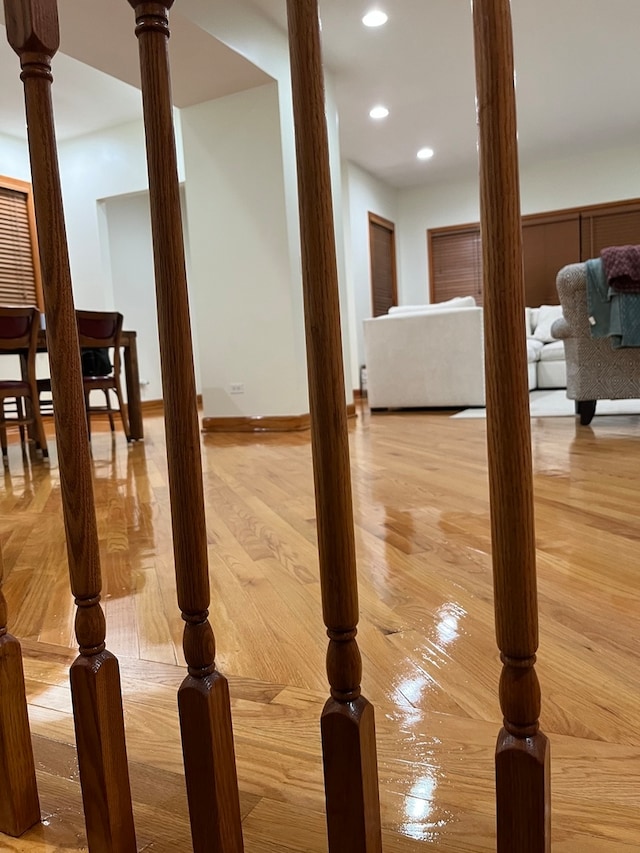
[(426, 632)]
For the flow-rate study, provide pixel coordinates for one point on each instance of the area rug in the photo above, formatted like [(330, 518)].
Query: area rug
[(554, 404)]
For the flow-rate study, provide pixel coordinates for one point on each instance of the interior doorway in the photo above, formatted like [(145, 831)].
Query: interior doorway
[(382, 250)]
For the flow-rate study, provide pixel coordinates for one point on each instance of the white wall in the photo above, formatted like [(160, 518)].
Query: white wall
[(603, 176), (104, 188), (14, 158), (95, 167), (362, 193), (245, 30), (247, 297), (128, 225), (130, 251)]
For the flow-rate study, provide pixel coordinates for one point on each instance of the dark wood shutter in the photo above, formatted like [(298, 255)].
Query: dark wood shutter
[(455, 259), (609, 227), (550, 241), (384, 292), (548, 244), (19, 271)]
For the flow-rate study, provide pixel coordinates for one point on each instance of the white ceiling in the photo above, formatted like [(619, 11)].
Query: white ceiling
[(86, 99), (578, 80)]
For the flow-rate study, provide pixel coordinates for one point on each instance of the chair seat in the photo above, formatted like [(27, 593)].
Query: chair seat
[(98, 382)]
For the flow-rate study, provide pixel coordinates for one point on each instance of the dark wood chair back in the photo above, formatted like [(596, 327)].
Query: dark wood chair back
[(19, 335), (100, 329), (103, 330), (18, 327)]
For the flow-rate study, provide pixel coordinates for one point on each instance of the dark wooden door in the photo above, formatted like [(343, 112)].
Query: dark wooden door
[(382, 249)]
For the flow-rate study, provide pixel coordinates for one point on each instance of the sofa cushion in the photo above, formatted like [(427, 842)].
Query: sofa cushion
[(553, 351), (528, 330), (534, 348), (456, 302), (547, 315)]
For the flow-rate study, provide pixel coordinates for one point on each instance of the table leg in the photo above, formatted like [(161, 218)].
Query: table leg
[(32, 431), (132, 379)]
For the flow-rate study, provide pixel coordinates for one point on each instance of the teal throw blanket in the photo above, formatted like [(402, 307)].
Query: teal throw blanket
[(611, 314)]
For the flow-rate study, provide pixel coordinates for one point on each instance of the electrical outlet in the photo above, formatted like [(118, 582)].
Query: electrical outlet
[(237, 387)]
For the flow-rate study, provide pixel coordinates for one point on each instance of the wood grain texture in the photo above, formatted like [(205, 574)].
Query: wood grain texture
[(426, 629), (132, 380), (210, 769), (19, 804), (348, 730), (522, 756), (32, 30), (266, 423)]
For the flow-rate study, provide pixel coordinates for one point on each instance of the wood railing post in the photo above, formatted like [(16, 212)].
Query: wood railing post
[(522, 754), (19, 806), (203, 698), (32, 30), (348, 728)]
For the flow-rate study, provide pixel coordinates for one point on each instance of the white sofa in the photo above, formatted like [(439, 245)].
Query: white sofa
[(433, 355), (548, 352)]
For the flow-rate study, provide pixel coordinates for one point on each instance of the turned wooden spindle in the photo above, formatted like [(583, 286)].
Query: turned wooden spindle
[(203, 698), (19, 806), (32, 31), (348, 728), (522, 754)]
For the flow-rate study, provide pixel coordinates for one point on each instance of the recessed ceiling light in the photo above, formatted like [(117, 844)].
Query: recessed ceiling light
[(379, 112), (425, 154), (375, 18)]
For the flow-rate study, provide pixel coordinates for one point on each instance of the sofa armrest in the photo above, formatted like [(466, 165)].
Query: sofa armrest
[(571, 284), (561, 330)]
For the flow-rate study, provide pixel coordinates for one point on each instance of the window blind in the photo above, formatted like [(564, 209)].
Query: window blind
[(609, 228), (18, 277), (456, 264)]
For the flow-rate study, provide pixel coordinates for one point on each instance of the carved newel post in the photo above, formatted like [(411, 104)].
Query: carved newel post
[(348, 728), (522, 754), (32, 30), (203, 698)]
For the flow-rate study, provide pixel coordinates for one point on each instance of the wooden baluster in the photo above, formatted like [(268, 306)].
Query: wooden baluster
[(348, 728), (203, 698), (522, 755), (32, 30), (19, 806)]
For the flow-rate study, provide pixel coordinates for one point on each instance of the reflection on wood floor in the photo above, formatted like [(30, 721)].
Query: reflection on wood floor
[(426, 632)]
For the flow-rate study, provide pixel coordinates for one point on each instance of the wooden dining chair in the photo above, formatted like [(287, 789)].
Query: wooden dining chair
[(19, 336), (45, 396), (102, 330)]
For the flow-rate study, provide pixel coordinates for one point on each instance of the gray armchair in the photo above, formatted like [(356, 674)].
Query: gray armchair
[(595, 371)]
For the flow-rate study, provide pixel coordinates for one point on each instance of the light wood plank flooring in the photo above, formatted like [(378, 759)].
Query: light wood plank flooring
[(430, 662)]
